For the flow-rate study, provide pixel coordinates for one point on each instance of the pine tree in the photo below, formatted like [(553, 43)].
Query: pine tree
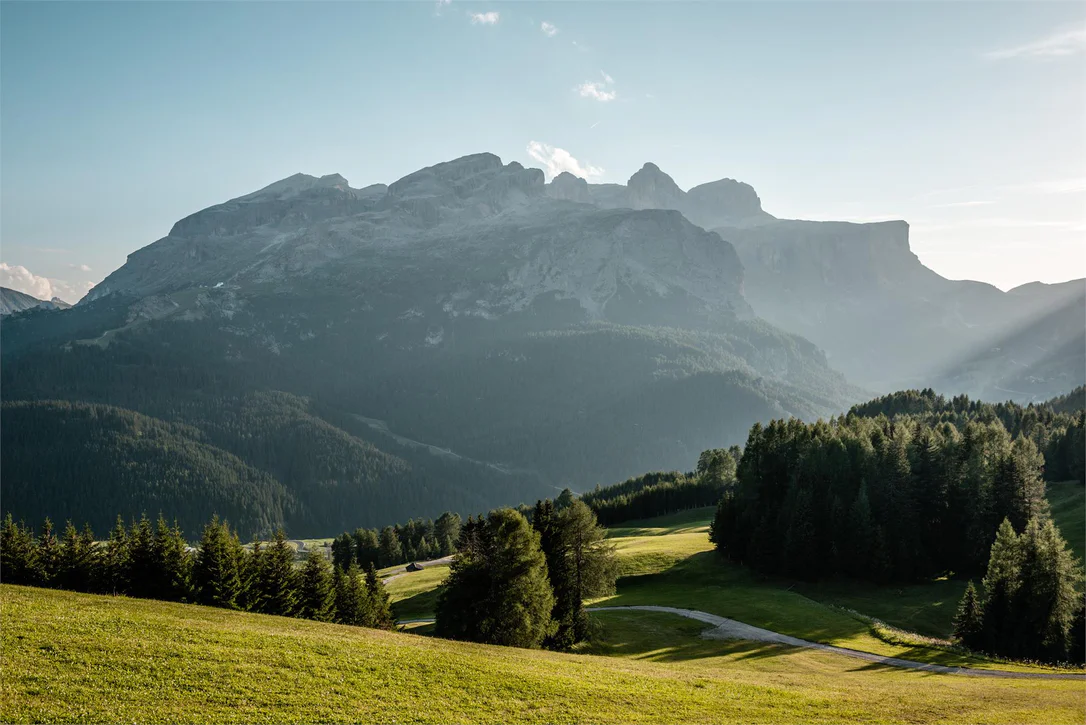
[(367, 547), (446, 532), (218, 571), (115, 565), (316, 595), (497, 591), (969, 620), (343, 551), (77, 570), (142, 566), (1000, 587), (350, 596), (18, 554), (590, 559), (1047, 601), (172, 563), (377, 609), (278, 581), (391, 549), (48, 558)]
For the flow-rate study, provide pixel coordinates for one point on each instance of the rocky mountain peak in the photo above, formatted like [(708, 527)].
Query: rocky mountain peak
[(568, 187), (651, 188), (728, 197)]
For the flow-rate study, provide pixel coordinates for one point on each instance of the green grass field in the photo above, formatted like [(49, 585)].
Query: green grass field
[(83, 658)]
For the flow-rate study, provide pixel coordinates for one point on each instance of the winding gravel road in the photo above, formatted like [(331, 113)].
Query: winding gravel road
[(724, 628)]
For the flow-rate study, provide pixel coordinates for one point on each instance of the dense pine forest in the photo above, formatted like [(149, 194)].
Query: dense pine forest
[(938, 488), (154, 561)]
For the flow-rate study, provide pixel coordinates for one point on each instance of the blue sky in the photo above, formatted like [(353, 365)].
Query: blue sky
[(966, 119)]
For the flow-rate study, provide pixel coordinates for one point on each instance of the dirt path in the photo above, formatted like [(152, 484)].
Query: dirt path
[(724, 628), (423, 564)]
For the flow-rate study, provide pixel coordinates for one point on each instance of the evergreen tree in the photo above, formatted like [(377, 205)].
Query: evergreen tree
[(497, 591), (1000, 588), (590, 560), (378, 609), (142, 565), (1047, 601), (446, 532), (351, 604), (391, 550), (48, 558), (278, 581), (969, 619), (18, 554), (172, 563), (116, 561), (316, 595), (78, 560), (218, 571), (367, 547), (343, 551)]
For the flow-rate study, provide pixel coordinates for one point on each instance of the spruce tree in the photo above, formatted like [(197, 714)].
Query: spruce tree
[(350, 596), (497, 591), (142, 565), (115, 564), (77, 568), (1000, 589), (218, 574), (172, 563), (367, 547), (343, 550), (1047, 600), (48, 558), (391, 548), (316, 594), (969, 619), (18, 554), (377, 609), (278, 580)]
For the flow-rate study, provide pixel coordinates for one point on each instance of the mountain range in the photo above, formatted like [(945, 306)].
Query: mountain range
[(12, 301), (471, 335)]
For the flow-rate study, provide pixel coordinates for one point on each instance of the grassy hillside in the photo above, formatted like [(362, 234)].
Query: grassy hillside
[(84, 658)]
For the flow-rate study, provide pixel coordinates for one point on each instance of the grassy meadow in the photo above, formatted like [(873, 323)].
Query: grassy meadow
[(85, 658)]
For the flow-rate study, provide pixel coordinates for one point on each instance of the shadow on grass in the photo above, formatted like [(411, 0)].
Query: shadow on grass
[(662, 637), (417, 606)]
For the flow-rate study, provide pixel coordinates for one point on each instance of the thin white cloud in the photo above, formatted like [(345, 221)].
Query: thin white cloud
[(556, 160), (1059, 44), (1054, 186), (21, 279), (488, 18), (961, 203), (548, 29), (80, 267), (602, 91), (596, 91), (440, 5)]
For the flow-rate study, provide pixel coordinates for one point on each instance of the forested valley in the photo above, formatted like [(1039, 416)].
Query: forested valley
[(904, 489)]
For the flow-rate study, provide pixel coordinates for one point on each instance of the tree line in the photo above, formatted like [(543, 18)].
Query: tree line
[(660, 493), (1057, 427), (876, 499), (523, 584), (155, 562), (417, 540)]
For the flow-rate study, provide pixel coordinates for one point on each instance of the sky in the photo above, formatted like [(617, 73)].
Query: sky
[(966, 119)]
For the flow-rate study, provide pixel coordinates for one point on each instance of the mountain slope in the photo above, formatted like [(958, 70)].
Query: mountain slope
[(12, 301), (499, 342), (858, 292)]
